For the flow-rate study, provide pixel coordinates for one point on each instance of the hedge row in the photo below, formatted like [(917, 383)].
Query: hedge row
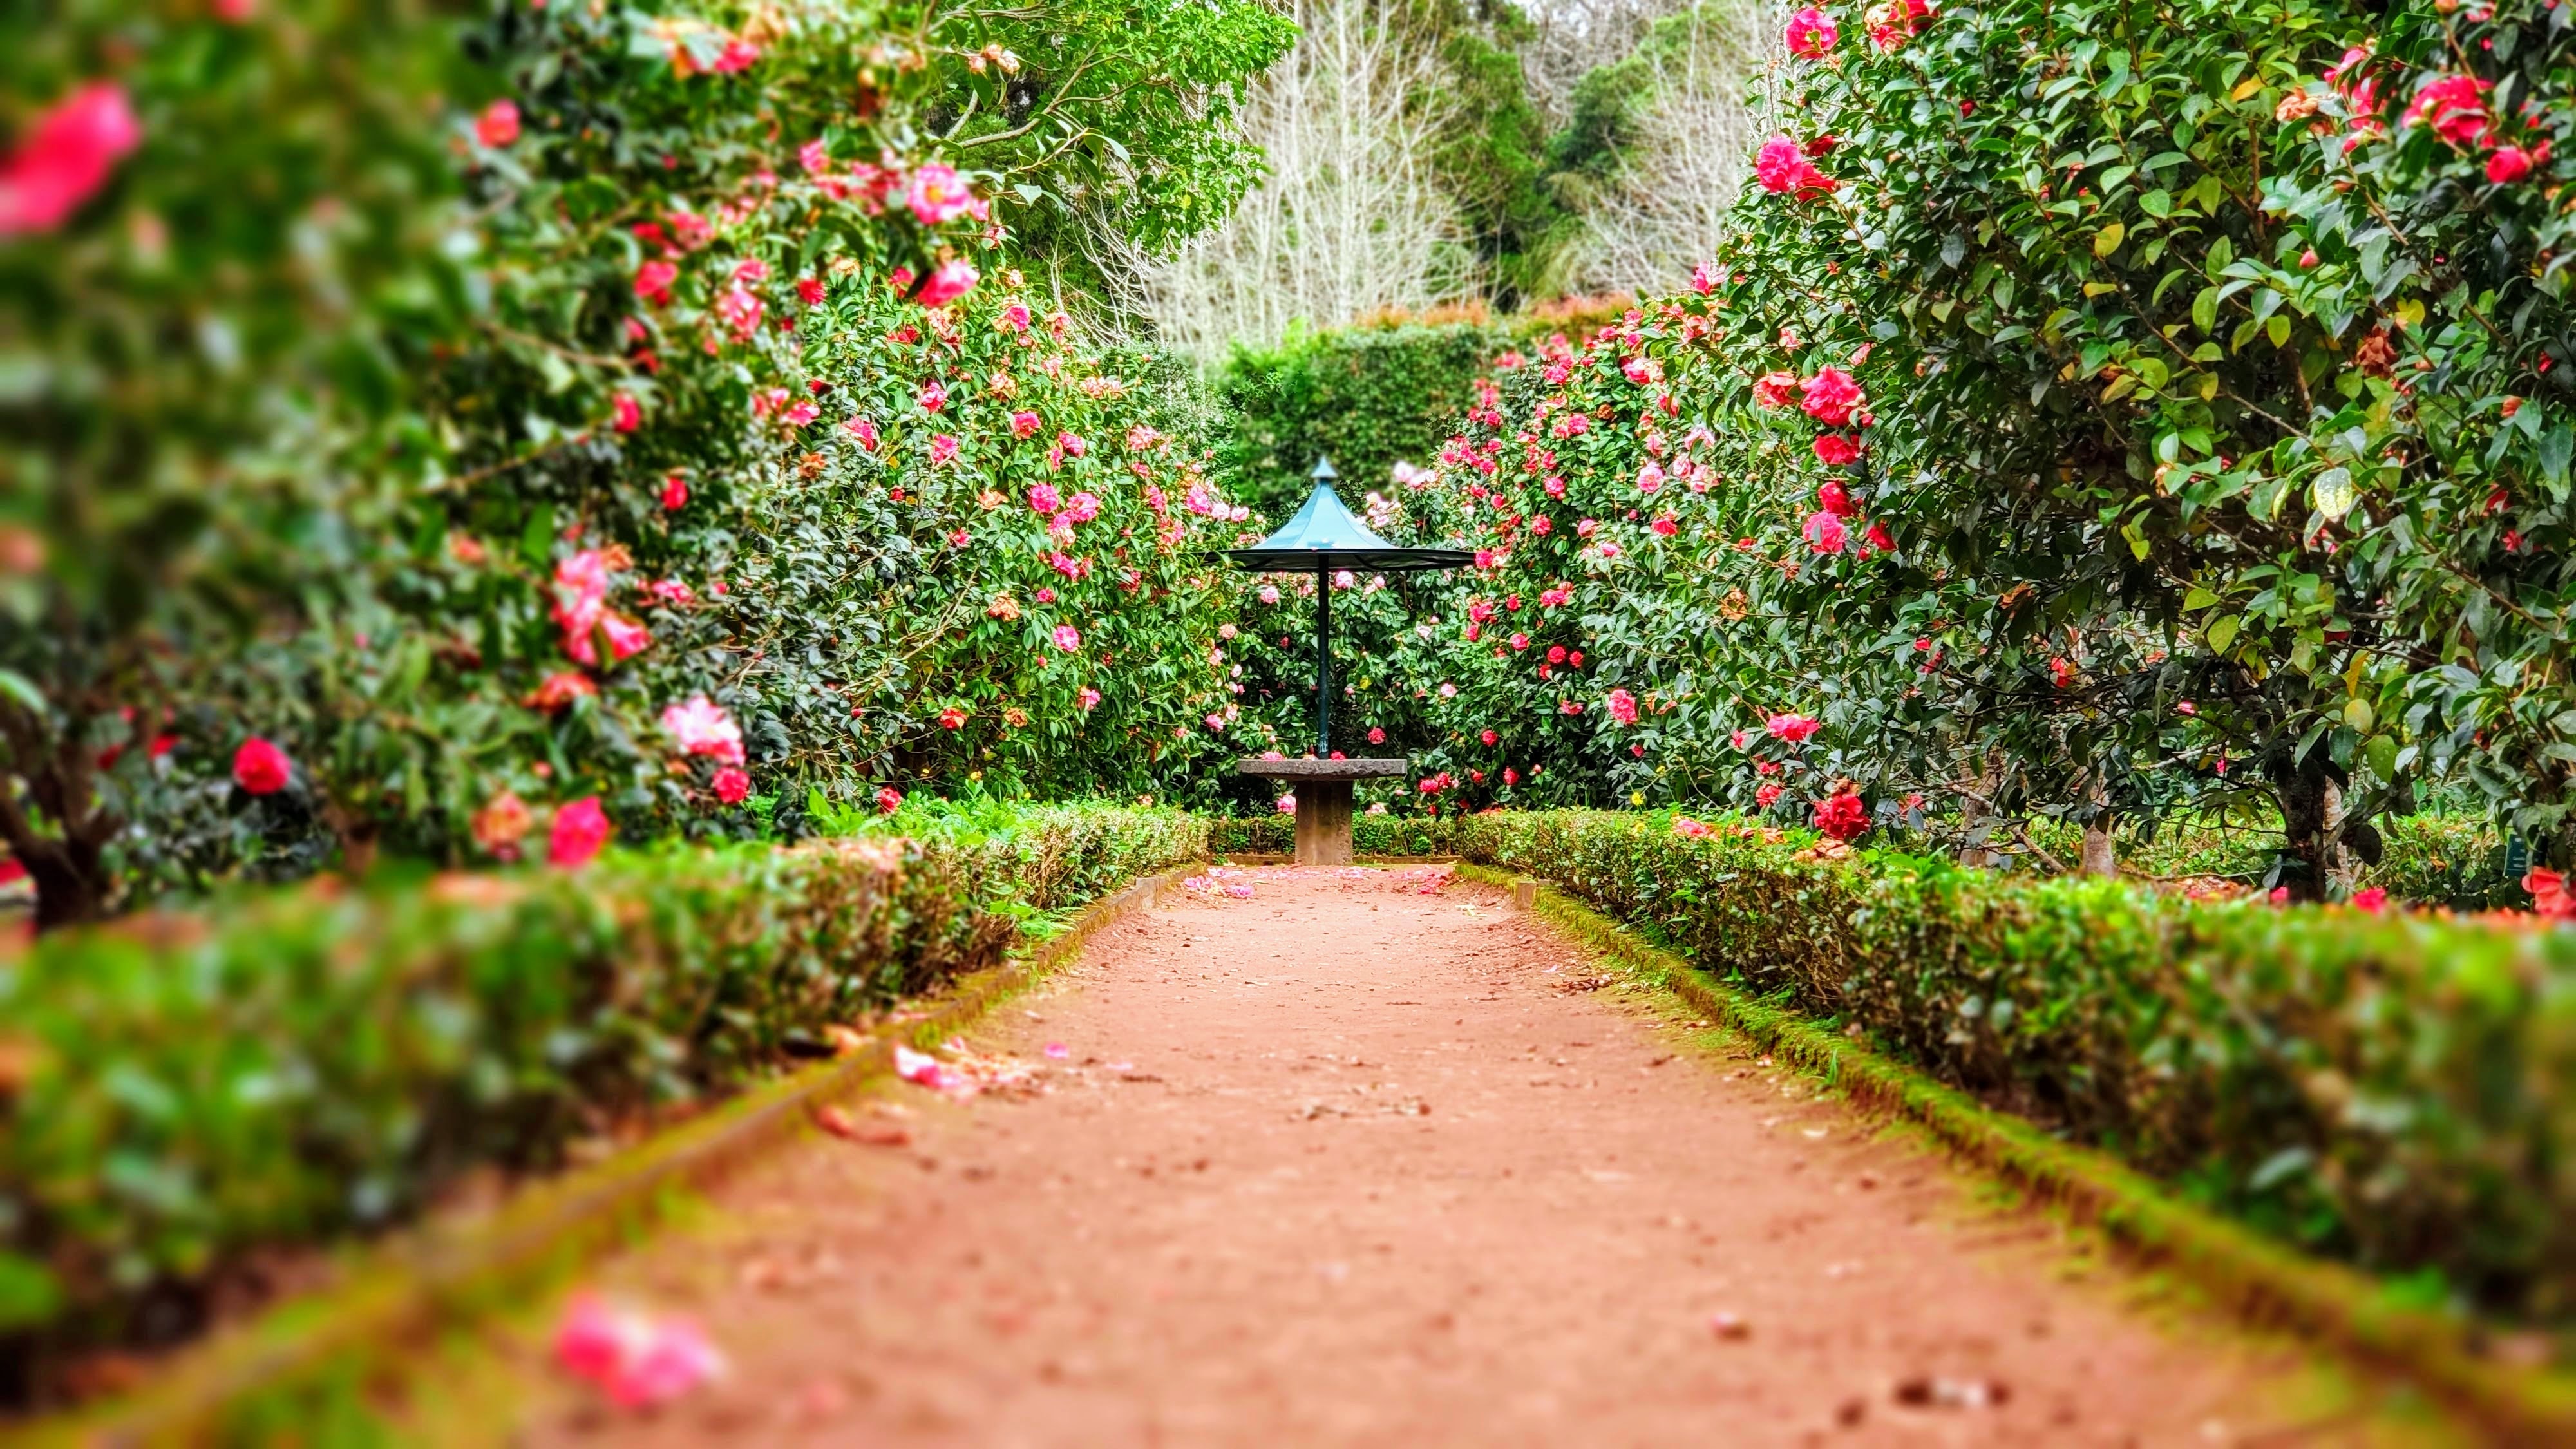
[(1370, 835), (2398, 1090), (181, 1096)]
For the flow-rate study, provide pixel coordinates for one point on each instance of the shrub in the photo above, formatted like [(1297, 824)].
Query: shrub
[(2394, 1089), (184, 1092)]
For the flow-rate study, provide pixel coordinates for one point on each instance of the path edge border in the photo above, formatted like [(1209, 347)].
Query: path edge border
[(2260, 1281), (408, 1287)]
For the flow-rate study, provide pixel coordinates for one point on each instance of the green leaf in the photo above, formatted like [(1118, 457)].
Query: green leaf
[(2223, 633), (18, 687), (2204, 310), (2198, 598), (2334, 495), (2358, 714), (2107, 240)]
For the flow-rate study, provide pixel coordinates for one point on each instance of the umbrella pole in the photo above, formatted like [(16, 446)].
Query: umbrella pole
[(1323, 662)]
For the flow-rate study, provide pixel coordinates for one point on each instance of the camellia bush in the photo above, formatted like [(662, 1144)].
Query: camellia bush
[(400, 390)]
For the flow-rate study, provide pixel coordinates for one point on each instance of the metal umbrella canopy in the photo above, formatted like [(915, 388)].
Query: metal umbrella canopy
[(1323, 537)]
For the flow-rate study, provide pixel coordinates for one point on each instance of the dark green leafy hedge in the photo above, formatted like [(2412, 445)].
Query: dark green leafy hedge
[(2398, 1090), (1370, 835), (179, 1093)]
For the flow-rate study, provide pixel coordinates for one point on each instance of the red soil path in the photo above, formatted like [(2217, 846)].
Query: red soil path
[(1347, 1163)]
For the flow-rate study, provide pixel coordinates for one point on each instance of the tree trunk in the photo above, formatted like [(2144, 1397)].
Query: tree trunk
[(71, 882), (1973, 812), (2101, 856), (2312, 822)]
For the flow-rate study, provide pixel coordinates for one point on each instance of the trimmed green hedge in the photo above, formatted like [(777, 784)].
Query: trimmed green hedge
[(2398, 1090), (180, 1093)]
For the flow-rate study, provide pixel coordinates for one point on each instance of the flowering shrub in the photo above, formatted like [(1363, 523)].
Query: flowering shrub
[(2389, 1088), (493, 360), (322, 1062)]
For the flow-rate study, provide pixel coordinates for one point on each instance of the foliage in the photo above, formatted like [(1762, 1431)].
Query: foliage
[(1366, 397), (2389, 1088), (185, 1092)]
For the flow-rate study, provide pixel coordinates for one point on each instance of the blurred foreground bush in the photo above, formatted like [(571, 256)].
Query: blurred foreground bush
[(184, 1097)]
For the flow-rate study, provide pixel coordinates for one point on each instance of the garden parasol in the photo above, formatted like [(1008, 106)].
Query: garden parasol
[(1321, 539)]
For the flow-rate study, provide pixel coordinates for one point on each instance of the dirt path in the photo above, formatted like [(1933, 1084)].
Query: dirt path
[(1347, 1163)]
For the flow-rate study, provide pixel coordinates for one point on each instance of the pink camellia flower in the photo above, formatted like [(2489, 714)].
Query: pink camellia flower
[(560, 689), (2455, 107), (672, 592), (863, 429), (738, 55), (1025, 425), (1782, 167), (1830, 396), (1834, 449), (1768, 796), (1623, 706), (1013, 318), (732, 785), (675, 493), (653, 282), (921, 1069), (1793, 728), (1084, 507), (1825, 533), (1520, 641), (2370, 898), (938, 194), (1072, 443), (1772, 389), (581, 598), (1043, 499), (1287, 804), (952, 718), (498, 126), (261, 768), (1650, 478), (1666, 526), (889, 800), (637, 1361), (626, 638), (1835, 499), (949, 281), (798, 413), (1843, 816), (1571, 706), (1703, 279), (579, 830), (703, 728), (1812, 34), (1088, 696), (2507, 165), (942, 449), (625, 414), (65, 158), (811, 291), (1894, 23), (1067, 638), (931, 396), (1876, 537)]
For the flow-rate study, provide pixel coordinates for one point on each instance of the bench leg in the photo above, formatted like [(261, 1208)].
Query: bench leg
[(1323, 822)]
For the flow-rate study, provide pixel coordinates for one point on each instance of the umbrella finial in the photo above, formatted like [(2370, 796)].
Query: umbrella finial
[(1324, 470)]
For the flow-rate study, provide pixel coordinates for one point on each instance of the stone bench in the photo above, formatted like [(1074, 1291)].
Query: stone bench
[(1323, 790)]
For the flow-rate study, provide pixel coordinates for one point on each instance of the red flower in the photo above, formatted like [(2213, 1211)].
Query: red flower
[(1812, 34), (1834, 450), (1782, 167), (2370, 898), (1843, 817), (65, 158), (675, 493), (1825, 533), (2509, 164), (653, 282), (889, 799), (952, 718), (2549, 894), (1830, 396), (1877, 537), (560, 688), (811, 290), (1794, 728), (580, 829), (2455, 107), (950, 281), (626, 416), (732, 785), (498, 126), (1377, 736), (1772, 389), (1835, 499), (1768, 796), (261, 768), (1623, 706)]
